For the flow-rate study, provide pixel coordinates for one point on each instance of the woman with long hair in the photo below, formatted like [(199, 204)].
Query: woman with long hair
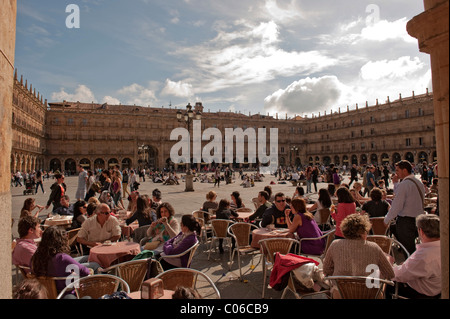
[(28, 206), (52, 258), (144, 214), (190, 228), (236, 200), (346, 206), (164, 228), (79, 213), (305, 226)]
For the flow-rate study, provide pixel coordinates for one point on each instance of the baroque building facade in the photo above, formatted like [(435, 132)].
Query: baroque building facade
[(58, 136)]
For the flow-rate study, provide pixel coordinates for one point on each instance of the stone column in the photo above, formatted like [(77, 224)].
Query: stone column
[(431, 30), (7, 46)]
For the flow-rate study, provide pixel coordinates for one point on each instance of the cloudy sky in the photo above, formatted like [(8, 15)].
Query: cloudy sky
[(269, 56)]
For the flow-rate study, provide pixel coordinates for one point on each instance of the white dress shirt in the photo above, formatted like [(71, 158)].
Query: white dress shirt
[(407, 201)]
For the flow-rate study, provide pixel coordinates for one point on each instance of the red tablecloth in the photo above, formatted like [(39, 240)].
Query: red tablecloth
[(104, 255)]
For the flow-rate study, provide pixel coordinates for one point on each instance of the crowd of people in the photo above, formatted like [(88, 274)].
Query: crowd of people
[(100, 197)]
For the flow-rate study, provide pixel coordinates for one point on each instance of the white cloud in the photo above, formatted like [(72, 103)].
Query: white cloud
[(384, 30), (310, 95), (111, 100), (392, 69), (179, 89), (82, 94), (137, 94)]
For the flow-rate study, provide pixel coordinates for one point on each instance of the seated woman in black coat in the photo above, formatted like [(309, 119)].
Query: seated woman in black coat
[(144, 214)]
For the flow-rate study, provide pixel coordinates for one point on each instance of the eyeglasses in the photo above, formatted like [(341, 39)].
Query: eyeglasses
[(281, 201)]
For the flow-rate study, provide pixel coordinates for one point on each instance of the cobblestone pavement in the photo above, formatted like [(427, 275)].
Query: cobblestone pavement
[(226, 280)]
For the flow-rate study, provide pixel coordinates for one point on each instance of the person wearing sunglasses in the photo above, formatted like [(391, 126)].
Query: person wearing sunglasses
[(275, 214), (99, 228)]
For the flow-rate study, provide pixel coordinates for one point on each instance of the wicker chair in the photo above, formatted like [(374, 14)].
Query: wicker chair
[(241, 233), (204, 219), (189, 278), (49, 283), (328, 235), (133, 272), (378, 226), (300, 291), (191, 251), (72, 236), (271, 246), (95, 286), (256, 202), (357, 287), (219, 228), (387, 243)]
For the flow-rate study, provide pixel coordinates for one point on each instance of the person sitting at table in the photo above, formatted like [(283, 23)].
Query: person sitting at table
[(90, 210), (305, 226), (376, 207), (29, 229), (99, 228), (144, 214), (156, 197), (164, 228), (359, 194), (434, 187), (268, 189), (190, 228), (236, 201), (263, 198), (28, 206), (79, 214), (322, 202), (106, 198), (65, 209), (346, 206), (132, 200), (275, 214), (210, 202), (352, 255), (299, 192), (419, 277), (52, 258), (30, 289), (224, 212)]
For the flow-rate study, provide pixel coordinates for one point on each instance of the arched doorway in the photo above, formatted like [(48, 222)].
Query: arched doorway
[(326, 160), (99, 163), (126, 163), (55, 165), (409, 157), (70, 167), (423, 157), (384, 159), (113, 162), (354, 159), (396, 158), (337, 160), (374, 159), (85, 163), (363, 159), (298, 162), (147, 156)]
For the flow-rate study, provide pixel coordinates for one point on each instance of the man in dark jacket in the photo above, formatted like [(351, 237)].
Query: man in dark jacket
[(275, 214)]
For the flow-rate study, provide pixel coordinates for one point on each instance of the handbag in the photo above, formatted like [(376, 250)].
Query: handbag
[(152, 245)]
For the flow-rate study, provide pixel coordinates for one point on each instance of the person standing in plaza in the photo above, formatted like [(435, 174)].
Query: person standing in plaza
[(407, 205), (38, 178), (82, 183), (353, 175), (58, 190), (308, 179), (315, 176), (217, 177)]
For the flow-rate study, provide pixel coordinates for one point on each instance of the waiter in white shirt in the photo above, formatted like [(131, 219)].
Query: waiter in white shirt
[(407, 205)]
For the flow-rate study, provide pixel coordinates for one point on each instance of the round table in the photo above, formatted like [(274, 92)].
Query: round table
[(263, 233), (137, 294), (58, 221), (104, 255)]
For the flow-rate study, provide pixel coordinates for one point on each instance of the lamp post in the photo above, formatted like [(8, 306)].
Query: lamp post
[(188, 117)]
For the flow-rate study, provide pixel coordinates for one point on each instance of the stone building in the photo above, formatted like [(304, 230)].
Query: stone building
[(58, 136)]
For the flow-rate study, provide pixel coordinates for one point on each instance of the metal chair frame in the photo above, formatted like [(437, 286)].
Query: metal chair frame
[(77, 286)]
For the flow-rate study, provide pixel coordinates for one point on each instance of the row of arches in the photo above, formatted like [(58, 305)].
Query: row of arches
[(26, 162), (70, 165), (375, 159)]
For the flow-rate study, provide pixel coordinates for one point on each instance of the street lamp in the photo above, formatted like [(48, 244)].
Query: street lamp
[(293, 149), (188, 117)]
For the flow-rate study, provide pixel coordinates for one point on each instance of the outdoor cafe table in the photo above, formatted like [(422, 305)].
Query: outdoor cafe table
[(127, 230), (104, 255), (263, 233), (137, 294), (63, 221)]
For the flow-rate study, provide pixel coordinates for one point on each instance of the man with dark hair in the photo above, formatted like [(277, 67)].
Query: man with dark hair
[(420, 275), (65, 209), (275, 214), (29, 229), (263, 198), (407, 205)]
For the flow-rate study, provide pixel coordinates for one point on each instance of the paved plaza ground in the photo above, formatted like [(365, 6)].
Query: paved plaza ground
[(184, 203)]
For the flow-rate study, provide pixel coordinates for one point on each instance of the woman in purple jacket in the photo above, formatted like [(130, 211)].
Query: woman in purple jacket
[(190, 228), (52, 259)]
